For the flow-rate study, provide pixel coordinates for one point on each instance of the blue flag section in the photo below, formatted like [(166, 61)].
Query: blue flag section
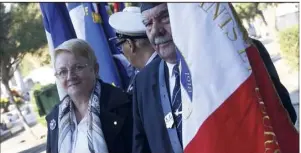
[(106, 26), (96, 37), (121, 62), (121, 6), (57, 23)]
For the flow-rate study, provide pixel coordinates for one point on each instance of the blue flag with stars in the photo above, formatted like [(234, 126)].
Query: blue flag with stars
[(88, 26)]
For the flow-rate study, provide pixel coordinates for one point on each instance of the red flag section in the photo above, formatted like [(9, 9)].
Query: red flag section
[(251, 120), (286, 135)]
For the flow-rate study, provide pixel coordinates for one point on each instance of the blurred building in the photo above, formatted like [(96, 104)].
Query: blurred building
[(287, 15)]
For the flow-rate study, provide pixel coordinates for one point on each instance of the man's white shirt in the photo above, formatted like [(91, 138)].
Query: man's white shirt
[(172, 78)]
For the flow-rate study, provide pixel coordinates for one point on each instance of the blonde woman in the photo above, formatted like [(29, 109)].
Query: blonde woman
[(94, 117)]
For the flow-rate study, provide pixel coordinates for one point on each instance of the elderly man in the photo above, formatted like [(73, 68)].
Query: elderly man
[(132, 38), (151, 126), (154, 130)]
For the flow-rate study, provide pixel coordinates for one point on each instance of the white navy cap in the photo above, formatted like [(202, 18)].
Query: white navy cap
[(128, 24)]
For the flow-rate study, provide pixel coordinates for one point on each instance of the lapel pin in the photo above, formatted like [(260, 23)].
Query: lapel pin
[(52, 124)]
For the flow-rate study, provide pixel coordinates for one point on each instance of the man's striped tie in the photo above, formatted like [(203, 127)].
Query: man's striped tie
[(176, 103)]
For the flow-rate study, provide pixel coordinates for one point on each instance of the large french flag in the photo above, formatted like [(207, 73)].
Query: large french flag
[(233, 107)]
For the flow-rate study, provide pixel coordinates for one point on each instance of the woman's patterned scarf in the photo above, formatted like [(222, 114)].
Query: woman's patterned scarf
[(96, 141)]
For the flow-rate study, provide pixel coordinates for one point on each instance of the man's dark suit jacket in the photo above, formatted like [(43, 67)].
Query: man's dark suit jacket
[(116, 106), (131, 84), (150, 133)]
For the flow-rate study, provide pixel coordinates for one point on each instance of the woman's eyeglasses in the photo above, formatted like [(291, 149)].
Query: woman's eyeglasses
[(63, 73)]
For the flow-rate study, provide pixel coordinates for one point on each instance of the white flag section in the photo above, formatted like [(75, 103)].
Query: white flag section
[(60, 89), (226, 112), (77, 16), (216, 56)]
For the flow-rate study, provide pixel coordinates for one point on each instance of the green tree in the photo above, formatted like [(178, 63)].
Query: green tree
[(249, 11), (289, 45), (32, 61), (22, 32)]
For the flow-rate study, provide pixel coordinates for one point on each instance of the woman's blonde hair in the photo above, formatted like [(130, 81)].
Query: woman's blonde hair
[(78, 47)]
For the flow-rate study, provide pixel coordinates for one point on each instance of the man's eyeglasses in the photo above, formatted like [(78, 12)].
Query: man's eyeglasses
[(63, 73), (119, 44), (123, 38)]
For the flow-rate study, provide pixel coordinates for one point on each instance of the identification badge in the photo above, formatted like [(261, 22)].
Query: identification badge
[(169, 120)]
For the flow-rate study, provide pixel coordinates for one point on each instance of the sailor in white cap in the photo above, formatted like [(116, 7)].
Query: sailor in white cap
[(131, 37)]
